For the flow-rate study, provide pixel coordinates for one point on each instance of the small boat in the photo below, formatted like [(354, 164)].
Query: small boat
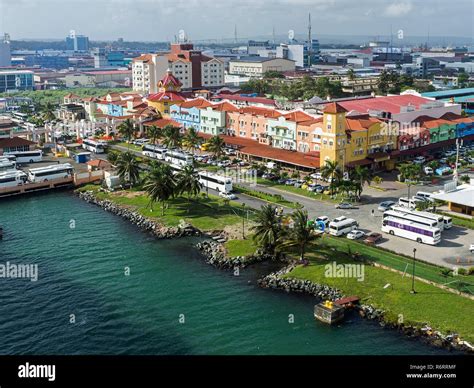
[(328, 312)]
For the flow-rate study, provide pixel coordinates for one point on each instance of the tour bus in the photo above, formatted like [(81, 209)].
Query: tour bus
[(154, 151), (178, 158), (12, 178), (93, 146), (411, 217), (11, 158), (342, 225), (55, 171), (6, 165), (408, 203), (411, 230), (26, 156), (427, 215), (215, 182)]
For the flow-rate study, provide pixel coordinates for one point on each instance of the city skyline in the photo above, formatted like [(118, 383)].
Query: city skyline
[(217, 21)]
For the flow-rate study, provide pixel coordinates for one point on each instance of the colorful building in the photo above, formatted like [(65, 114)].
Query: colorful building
[(169, 94), (251, 123), (188, 113), (214, 118)]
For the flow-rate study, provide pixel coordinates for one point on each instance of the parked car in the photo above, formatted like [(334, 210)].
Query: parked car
[(345, 205), (316, 175), (324, 219), (471, 248), (419, 160), (298, 183), (355, 234), (282, 181), (373, 238), (386, 205), (428, 170), (313, 187), (290, 182), (227, 195), (321, 189)]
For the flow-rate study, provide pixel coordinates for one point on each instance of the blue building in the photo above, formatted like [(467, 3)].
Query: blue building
[(11, 80), (77, 43), (47, 61)]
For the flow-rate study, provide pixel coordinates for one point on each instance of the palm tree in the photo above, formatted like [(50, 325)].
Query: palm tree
[(160, 185), (331, 170), (267, 231), (188, 182), (191, 140), (216, 146), (172, 137), (301, 235), (154, 133), (113, 156), (410, 173), (128, 168), (48, 112), (127, 130), (360, 176)]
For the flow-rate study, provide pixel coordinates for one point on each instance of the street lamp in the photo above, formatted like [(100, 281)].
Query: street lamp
[(243, 221), (413, 274)]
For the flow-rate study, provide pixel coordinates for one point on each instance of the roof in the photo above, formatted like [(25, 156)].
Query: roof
[(257, 59), (169, 78), (256, 100), (161, 123), (334, 107), (197, 102), (166, 96), (254, 148), (71, 95), (224, 106), (105, 72), (449, 93), (143, 57), (390, 104), (260, 111), (99, 163), (299, 116), (15, 142), (360, 123), (463, 195)]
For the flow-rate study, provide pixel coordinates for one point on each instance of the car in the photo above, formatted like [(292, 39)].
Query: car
[(290, 182), (428, 170), (313, 187), (227, 195), (373, 238), (316, 175), (355, 234), (471, 248), (282, 181), (224, 163), (321, 189), (298, 183), (470, 159), (344, 205), (386, 205), (419, 160), (324, 219)]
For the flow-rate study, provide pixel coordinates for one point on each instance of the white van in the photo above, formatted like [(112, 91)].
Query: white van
[(409, 203), (426, 196), (342, 225), (448, 222)]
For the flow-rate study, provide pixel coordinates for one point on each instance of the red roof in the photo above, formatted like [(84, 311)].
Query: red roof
[(161, 123), (256, 100), (225, 106), (299, 116), (334, 107), (166, 96), (15, 142), (260, 111), (197, 102), (390, 104), (169, 78), (254, 148)]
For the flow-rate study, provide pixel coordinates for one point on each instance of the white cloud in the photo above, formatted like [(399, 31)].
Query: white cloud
[(398, 9)]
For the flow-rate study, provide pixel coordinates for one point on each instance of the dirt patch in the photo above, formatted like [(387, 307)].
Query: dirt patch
[(234, 232)]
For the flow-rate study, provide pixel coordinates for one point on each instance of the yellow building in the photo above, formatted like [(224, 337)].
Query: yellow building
[(356, 140), (169, 93)]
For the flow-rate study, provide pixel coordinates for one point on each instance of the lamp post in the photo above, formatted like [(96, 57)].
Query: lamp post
[(413, 274), (243, 221)]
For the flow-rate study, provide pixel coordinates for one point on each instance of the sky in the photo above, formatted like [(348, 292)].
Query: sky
[(160, 20)]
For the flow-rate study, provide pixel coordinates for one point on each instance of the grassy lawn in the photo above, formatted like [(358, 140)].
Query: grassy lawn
[(203, 213), (276, 199), (401, 263), (461, 221), (440, 309), (132, 147), (240, 247)]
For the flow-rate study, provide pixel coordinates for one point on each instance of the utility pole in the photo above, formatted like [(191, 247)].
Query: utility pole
[(459, 143), (273, 36), (413, 274)]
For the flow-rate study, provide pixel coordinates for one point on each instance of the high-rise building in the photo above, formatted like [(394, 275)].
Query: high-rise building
[(5, 53), (193, 69), (11, 80), (100, 58), (77, 42)]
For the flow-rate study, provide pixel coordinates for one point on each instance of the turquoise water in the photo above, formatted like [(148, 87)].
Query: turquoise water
[(82, 272)]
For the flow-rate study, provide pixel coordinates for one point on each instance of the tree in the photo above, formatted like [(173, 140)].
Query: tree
[(423, 205), (172, 137), (160, 185), (126, 129), (301, 235), (113, 156), (331, 171), (188, 182), (410, 173), (154, 133), (267, 231), (191, 140), (360, 176), (128, 168), (48, 112), (465, 179), (216, 146)]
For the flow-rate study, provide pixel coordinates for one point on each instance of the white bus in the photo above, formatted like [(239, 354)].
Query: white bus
[(55, 171), (11, 158), (411, 217), (342, 225), (12, 178), (411, 230), (93, 146), (408, 203), (215, 182), (154, 151), (26, 156), (6, 165), (178, 158), (427, 215)]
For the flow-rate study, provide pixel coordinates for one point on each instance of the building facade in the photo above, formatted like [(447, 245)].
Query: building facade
[(11, 80), (258, 66)]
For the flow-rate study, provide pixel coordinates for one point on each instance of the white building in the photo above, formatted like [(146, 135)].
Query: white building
[(257, 66)]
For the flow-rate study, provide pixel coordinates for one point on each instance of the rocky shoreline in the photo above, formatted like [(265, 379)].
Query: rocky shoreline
[(425, 333)]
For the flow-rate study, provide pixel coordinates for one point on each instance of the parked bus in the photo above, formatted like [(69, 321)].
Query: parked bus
[(6, 165), (427, 215), (26, 156), (411, 230), (215, 182), (11, 158), (55, 171), (411, 217), (93, 146), (12, 178), (154, 151), (178, 158), (342, 225)]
